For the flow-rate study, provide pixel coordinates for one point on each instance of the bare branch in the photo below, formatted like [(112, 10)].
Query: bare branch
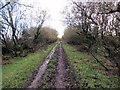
[(5, 5)]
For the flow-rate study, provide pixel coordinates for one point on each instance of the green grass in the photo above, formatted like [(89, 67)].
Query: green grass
[(0, 77), (89, 73), (15, 74)]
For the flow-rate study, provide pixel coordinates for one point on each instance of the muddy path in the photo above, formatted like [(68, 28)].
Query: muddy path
[(35, 79), (64, 78)]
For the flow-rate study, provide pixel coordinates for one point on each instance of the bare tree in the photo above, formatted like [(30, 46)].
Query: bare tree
[(40, 19), (92, 25), (11, 19), (113, 10)]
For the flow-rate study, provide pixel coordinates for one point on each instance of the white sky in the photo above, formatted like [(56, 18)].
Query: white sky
[(54, 8)]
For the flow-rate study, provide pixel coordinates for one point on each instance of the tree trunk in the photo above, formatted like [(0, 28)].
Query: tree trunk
[(4, 41)]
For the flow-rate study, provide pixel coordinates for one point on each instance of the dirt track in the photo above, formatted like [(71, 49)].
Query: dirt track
[(64, 77), (41, 70)]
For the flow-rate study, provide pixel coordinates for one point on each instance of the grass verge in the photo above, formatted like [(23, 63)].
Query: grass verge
[(89, 73), (15, 74)]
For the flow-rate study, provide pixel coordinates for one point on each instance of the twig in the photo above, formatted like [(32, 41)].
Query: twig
[(5, 5), (100, 63)]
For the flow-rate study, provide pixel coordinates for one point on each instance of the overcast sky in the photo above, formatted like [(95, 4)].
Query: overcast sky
[(54, 8)]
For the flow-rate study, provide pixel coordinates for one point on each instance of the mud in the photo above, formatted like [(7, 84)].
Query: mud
[(64, 78), (35, 79)]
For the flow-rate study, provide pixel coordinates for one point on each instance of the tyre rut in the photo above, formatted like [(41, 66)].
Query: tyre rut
[(64, 78), (37, 78)]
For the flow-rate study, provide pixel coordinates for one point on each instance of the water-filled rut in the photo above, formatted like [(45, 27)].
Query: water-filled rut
[(36, 81)]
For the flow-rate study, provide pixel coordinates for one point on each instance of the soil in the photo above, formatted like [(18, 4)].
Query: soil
[(34, 80), (64, 78), (64, 75)]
